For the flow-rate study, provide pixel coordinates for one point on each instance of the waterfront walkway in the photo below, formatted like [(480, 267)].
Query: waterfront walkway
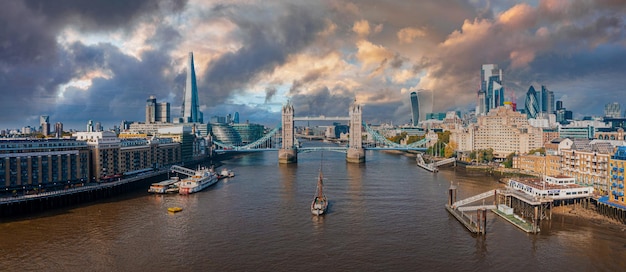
[(55, 193)]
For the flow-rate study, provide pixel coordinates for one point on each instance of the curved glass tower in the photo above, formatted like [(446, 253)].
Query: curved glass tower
[(415, 108), (531, 103)]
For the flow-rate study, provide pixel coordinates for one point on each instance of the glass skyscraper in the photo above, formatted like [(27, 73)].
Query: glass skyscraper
[(531, 103), (491, 94), (547, 100), (191, 111), (415, 109)]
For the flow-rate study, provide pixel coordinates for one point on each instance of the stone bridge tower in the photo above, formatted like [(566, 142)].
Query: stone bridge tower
[(356, 153), (288, 152)]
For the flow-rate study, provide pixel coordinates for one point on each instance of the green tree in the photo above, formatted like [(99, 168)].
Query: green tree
[(508, 162)]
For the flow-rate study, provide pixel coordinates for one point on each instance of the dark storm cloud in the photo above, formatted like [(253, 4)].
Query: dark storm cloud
[(122, 97), (33, 64), (266, 44), (269, 93), (322, 101), (309, 77), (99, 14)]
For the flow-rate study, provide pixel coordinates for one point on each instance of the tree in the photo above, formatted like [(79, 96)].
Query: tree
[(541, 150), (508, 162), (450, 149)]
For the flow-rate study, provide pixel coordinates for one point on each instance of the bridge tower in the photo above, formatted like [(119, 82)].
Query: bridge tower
[(356, 153), (288, 152)]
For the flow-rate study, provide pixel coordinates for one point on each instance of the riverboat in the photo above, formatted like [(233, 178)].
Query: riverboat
[(225, 173), (202, 179), (320, 202), (164, 187)]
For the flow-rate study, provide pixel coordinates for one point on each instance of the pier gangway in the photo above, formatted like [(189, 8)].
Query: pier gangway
[(445, 161), (475, 198), (182, 170)]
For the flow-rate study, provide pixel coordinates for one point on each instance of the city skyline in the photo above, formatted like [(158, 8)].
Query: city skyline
[(76, 62)]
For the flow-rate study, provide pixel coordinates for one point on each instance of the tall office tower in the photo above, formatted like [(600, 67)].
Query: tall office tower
[(58, 130), (531, 103), (157, 112), (151, 110), (44, 121), (612, 110), (415, 108), (559, 105), (99, 127), (191, 112), (491, 94), (163, 113), (90, 126), (236, 119), (547, 100)]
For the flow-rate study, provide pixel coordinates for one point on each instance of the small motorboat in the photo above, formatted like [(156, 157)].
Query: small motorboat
[(174, 209)]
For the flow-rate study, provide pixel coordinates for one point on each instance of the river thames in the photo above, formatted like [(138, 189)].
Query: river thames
[(384, 215)]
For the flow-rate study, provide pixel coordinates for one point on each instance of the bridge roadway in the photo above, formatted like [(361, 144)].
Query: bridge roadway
[(321, 118), (313, 149)]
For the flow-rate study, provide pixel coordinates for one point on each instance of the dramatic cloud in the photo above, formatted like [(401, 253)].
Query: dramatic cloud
[(79, 60)]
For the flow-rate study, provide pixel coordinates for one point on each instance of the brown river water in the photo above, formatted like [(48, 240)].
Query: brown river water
[(384, 215)]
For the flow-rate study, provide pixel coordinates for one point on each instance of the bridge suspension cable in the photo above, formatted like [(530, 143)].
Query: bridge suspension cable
[(382, 139)]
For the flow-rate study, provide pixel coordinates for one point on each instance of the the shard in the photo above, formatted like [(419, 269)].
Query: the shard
[(191, 113)]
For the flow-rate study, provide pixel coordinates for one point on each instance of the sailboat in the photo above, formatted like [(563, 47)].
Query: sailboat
[(320, 203)]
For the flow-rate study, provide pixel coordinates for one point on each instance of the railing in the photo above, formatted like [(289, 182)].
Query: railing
[(70, 191)]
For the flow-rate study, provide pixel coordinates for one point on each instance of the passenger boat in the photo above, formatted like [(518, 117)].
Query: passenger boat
[(225, 173), (320, 203), (202, 179), (164, 187), (174, 209)]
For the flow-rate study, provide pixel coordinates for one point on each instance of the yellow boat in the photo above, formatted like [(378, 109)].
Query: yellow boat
[(174, 209)]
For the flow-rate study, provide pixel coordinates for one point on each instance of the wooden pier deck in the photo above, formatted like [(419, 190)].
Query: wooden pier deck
[(516, 221)]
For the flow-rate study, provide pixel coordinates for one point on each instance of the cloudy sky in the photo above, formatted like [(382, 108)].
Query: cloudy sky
[(78, 60)]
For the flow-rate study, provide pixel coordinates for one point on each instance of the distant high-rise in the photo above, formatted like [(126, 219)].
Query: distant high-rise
[(157, 112), (547, 100), (58, 130), (90, 127), (44, 121), (613, 110), (415, 108), (531, 103), (491, 94), (559, 105), (191, 113), (236, 119)]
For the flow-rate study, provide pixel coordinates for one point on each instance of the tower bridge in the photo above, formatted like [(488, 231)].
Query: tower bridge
[(282, 138)]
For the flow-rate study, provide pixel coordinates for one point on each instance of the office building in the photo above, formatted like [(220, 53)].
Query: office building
[(157, 112), (58, 130), (612, 110), (191, 109), (491, 94), (547, 100), (44, 121), (415, 109), (249, 132), (531, 103)]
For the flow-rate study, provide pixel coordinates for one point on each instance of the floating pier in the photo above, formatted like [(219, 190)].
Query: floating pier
[(476, 225), (505, 203)]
